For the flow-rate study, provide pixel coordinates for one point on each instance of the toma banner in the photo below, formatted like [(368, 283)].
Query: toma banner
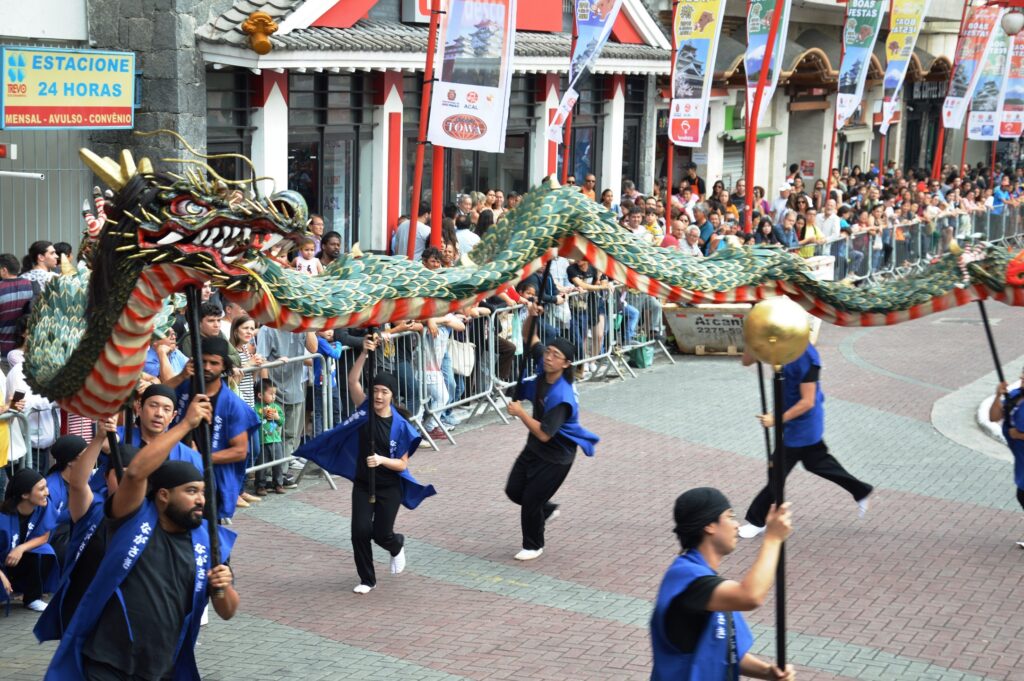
[(983, 120), (473, 60), (759, 19), (1011, 119), (863, 19), (698, 27), (594, 20), (970, 57), (55, 89), (904, 27)]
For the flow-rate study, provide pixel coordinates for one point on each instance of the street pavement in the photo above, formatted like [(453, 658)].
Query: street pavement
[(926, 586)]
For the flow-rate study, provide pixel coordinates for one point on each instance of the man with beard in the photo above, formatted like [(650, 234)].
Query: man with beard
[(233, 422), (139, 618), (330, 248)]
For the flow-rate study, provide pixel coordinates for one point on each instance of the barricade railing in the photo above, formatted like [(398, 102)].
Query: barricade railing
[(639, 324)]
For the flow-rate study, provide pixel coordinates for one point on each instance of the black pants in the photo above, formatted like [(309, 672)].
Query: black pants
[(1020, 497), (531, 484), (817, 460), (377, 523), (27, 576)]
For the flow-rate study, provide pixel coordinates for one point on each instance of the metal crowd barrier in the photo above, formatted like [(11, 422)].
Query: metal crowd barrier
[(640, 325)]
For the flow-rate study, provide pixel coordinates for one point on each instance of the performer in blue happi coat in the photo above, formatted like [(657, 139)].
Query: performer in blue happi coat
[(140, 616), (697, 632), (555, 433), (233, 423), (1006, 407), (65, 452), (27, 562), (157, 411), (345, 450)]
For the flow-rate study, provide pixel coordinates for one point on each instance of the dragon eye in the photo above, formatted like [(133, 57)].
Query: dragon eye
[(186, 207)]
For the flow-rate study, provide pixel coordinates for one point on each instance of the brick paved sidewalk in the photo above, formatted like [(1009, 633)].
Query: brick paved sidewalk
[(923, 588)]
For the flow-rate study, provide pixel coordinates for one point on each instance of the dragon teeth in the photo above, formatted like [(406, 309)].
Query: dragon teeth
[(271, 241), (246, 233), (171, 238), (228, 259)]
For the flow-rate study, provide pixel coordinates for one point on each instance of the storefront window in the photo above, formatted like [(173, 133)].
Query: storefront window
[(228, 125)]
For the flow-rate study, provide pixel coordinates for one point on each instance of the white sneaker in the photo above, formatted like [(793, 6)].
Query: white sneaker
[(862, 507), (38, 605), (398, 562), (1020, 544), (529, 554), (592, 366), (362, 589), (554, 514), (749, 531)]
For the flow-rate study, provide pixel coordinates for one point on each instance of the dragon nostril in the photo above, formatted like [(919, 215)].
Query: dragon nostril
[(292, 207)]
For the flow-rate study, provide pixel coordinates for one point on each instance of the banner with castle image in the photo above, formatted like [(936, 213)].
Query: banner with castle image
[(983, 120), (976, 38), (698, 27), (1011, 114), (759, 20), (863, 19), (473, 63), (594, 21), (904, 28)]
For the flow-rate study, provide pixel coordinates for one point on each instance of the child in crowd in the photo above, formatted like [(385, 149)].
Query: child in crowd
[(271, 417), (306, 261)]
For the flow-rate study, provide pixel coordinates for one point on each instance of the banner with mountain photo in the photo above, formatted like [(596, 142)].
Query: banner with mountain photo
[(698, 27), (759, 19), (987, 101), (863, 19), (1011, 118), (594, 20), (904, 28), (473, 66), (975, 40)]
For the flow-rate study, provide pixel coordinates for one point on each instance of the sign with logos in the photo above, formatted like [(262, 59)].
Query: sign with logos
[(698, 26), (759, 20), (975, 40), (45, 88), (473, 66), (904, 28), (983, 120), (1011, 123)]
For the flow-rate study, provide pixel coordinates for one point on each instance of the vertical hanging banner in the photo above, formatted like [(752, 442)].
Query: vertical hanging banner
[(863, 19), (698, 27), (1011, 118), (759, 19), (473, 60), (970, 56), (594, 20), (983, 120), (904, 27)]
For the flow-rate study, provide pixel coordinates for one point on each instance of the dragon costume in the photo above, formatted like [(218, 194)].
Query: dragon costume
[(90, 331)]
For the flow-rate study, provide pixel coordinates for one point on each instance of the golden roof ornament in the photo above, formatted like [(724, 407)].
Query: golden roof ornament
[(259, 27)]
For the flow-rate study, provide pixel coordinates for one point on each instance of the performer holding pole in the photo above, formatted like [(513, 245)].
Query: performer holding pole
[(347, 450), (1006, 407), (697, 631)]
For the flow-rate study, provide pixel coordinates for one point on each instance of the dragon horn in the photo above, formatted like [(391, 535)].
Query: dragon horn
[(127, 164), (107, 169)]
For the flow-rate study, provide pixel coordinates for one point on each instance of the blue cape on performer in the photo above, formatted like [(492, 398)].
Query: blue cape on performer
[(709, 660), (123, 550), (337, 451), (231, 417), (561, 392)]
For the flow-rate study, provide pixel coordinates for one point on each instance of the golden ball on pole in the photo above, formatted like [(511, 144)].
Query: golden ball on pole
[(777, 331)]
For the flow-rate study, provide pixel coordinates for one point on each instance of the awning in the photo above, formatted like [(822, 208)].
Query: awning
[(858, 133), (740, 135)]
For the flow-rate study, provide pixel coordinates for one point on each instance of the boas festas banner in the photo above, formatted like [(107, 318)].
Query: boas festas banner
[(983, 121), (904, 27), (759, 20), (863, 19), (1011, 119), (970, 56), (473, 67), (594, 20), (698, 26)]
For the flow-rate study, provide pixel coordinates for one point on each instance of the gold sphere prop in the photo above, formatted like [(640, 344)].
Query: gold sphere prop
[(777, 331)]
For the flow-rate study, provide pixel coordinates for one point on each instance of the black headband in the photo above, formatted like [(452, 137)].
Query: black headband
[(564, 346), (173, 474), (22, 483), (697, 508), (160, 390), (386, 380), (65, 450)]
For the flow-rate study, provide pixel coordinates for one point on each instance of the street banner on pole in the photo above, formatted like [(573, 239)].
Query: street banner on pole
[(983, 120), (904, 27), (1011, 120), (863, 19), (698, 26), (970, 56), (594, 20), (759, 18), (473, 63)]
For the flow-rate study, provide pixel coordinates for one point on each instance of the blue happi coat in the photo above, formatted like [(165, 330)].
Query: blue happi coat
[(58, 499), (337, 451), (180, 452), (123, 550), (710, 659), (42, 520), (231, 417), (561, 392), (1013, 417)]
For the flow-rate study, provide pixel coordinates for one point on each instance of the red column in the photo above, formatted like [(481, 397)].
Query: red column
[(428, 77)]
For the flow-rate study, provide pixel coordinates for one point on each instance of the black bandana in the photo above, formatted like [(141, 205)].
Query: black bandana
[(173, 474), (697, 508)]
